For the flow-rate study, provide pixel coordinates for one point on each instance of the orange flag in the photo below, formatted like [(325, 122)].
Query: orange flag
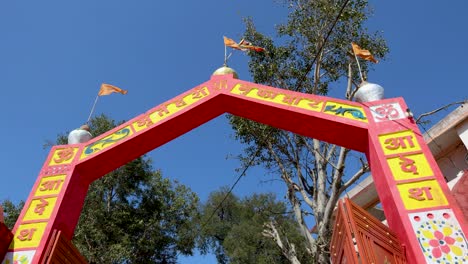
[(242, 45), (362, 53), (107, 89), (230, 43)]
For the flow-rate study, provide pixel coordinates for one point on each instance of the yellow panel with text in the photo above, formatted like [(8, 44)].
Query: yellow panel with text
[(278, 98), (50, 185), (407, 167), (63, 156), (423, 194), (196, 95), (346, 111), (40, 209), (399, 142), (143, 123), (28, 235), (177, 105)]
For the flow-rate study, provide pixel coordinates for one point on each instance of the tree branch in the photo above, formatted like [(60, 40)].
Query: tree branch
[(331, 151), (350, 83), (311, 64), (302, 188), (335, 187), (439, 109), (321, 187), (292, 187), (324, 160), (364, 168), (289, 250)]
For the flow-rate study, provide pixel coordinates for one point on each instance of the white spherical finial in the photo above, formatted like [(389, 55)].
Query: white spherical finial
[(80, 135), (369, 92)]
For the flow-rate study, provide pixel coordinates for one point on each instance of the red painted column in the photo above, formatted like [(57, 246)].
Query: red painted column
[(47, 207), (416, 200)]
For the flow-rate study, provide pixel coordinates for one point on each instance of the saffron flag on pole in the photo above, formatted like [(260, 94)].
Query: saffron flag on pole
[(231, 43), (362, 53), (243, 45), (107, 89)]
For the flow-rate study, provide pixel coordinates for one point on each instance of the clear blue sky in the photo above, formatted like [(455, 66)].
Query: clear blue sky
[(55, 54)]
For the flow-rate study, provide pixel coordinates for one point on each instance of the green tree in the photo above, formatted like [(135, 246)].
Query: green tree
[(312, 54), (11, 212), (131, 215), (134, 215), (237, 230)]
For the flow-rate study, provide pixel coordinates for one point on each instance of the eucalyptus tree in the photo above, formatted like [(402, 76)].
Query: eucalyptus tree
[(311, 54), (233, 229)]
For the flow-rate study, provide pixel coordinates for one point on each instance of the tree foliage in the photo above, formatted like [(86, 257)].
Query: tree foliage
[(11, 212), (134, 215), (306, 58), (235, 233)]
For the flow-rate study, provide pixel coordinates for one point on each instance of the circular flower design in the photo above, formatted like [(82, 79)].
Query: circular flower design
[(441, 242), (440, 237)]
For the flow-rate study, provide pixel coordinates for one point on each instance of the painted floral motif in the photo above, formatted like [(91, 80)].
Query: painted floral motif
[(442, 242), (18, 259), (440, 237)]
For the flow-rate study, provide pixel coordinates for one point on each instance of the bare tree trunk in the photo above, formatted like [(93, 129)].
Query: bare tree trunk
[(292, 188), (288, 249)]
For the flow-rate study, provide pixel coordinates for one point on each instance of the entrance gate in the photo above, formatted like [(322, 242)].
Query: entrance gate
[(412, 190), (358, 237)]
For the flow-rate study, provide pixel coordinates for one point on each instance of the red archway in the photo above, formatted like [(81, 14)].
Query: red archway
[(411, 187)]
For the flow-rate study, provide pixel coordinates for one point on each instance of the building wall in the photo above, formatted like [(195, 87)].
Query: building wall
[(453, 163)]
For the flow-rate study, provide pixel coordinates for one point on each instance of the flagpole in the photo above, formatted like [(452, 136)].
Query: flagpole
[(359, 66), (92, 109), (225, 55)]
